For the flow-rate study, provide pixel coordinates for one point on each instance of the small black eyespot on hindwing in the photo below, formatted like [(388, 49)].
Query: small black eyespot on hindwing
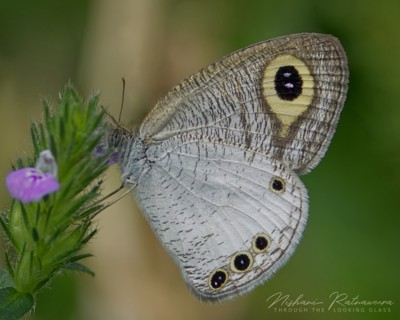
[(218, 279), (288, 83), (241, 261), (261, 243), (277, 185)]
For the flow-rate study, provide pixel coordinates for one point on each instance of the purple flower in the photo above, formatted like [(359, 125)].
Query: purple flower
[(113, 158), (32, 184), (47, 163), (101, 151)]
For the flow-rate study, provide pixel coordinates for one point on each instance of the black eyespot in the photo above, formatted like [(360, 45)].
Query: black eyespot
[(277, 185), (218, 278), (261, 243), (288, 83), (241, 262)]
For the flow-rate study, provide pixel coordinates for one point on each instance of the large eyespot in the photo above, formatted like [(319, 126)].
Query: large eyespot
[(277, 185), (288, 89), (218, 279), (241, 261), (261, 243)]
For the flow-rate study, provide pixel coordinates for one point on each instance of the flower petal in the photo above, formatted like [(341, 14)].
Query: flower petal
[(30, 184), (47, 163), (101, 151)]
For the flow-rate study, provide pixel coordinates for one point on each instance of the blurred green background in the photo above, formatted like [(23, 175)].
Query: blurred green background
[(350, 243)]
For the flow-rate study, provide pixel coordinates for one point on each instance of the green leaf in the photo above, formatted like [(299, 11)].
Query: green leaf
[(14, 304), (74, 266)]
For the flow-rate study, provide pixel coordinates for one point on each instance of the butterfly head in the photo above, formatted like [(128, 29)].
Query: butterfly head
[(125, 148), (114, 140)]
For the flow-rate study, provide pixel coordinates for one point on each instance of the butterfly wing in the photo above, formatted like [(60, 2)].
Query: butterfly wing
[(282, 97), (229, 218)]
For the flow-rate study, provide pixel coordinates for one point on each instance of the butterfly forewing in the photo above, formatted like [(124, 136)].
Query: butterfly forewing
[(281, 97)]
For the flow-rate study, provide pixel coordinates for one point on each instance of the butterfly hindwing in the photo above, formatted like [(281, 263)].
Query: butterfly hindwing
[(208, 203)]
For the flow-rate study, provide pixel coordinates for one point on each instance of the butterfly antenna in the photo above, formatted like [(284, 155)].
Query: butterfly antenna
[(122, 100), (117, 123), (110, 117)]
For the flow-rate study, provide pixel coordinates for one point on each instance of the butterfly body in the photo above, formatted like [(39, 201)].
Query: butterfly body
[(216, 162)]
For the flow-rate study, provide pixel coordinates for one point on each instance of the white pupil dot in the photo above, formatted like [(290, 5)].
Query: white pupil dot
[(289, 85)]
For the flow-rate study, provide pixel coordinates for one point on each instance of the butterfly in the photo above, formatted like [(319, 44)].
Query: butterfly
[(215, 165)]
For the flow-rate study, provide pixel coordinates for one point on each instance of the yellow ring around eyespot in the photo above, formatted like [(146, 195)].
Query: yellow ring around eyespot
[(223, 284), (232, 263), (277, 179), (287, 111), (264, 235)]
